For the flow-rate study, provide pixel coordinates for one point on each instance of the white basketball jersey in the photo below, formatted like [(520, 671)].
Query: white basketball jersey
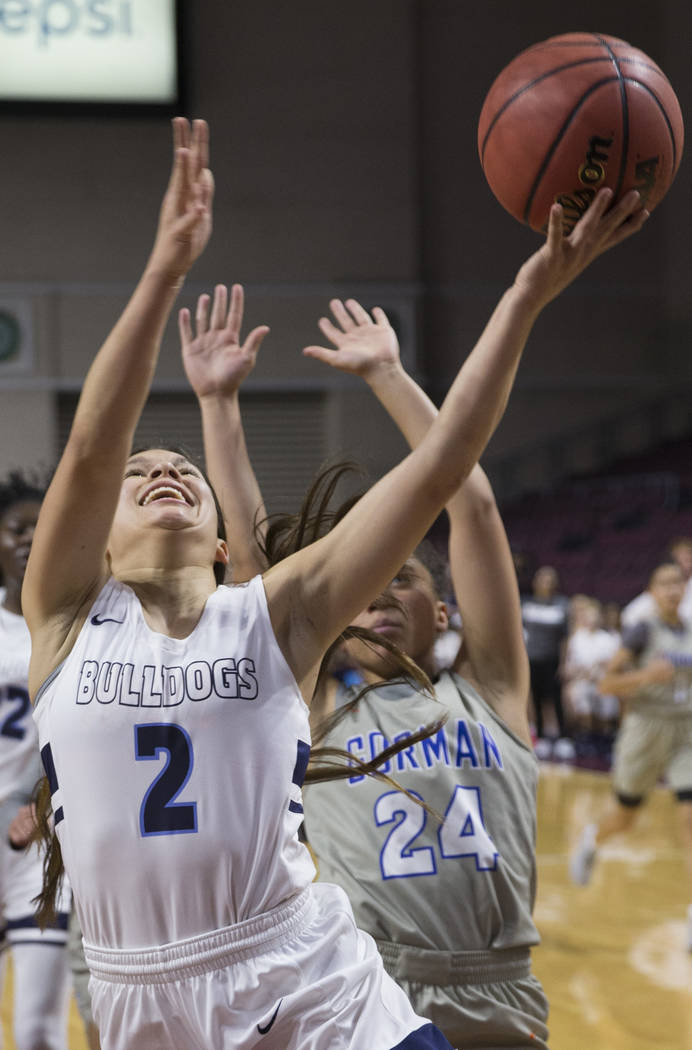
[(19, 766), (176, 767)]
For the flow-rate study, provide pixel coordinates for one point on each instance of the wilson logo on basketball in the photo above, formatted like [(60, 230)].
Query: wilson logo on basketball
[(591, 174), (592, 171), (645, 177)]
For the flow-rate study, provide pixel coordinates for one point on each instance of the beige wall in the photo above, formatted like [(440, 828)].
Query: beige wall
[(344, 149)]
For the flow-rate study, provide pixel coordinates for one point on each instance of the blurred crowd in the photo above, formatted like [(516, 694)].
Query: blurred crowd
[(571, 640)]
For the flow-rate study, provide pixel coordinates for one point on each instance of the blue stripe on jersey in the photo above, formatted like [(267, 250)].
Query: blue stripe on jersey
[(49, 766), (426, 1038), (44, 943), (302, 759), (294, 807), (52, 777), (29, 922)]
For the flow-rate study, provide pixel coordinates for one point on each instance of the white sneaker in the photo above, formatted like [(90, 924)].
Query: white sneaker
[(583, 858), (564, 750), (543, 749)]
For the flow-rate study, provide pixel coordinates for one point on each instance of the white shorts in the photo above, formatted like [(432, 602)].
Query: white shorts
[(301, 977)]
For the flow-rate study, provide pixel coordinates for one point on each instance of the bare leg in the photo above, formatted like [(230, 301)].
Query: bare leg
[(616, 819)]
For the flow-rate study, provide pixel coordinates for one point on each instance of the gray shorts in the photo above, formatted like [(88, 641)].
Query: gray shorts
[(482, 999), (648, 748)]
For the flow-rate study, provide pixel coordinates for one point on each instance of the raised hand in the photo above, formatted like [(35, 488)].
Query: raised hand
[(561, 259), (216, 362), (363, 346), (185, 217)]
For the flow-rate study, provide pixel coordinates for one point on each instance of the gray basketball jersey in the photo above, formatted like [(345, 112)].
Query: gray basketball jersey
[(466, 883), (654, 639)]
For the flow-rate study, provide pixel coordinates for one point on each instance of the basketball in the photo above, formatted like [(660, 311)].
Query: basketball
[(575, 113)]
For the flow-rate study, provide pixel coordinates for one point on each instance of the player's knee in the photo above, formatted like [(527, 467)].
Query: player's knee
[(628, 809)]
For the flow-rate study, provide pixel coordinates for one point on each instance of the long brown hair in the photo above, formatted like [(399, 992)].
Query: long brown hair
[(287, 533)]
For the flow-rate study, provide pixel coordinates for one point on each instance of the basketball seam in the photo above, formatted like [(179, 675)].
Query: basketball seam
[(527, 87), (552, 72), (624, 152), (597, 41), (556, 142), (664, 112)]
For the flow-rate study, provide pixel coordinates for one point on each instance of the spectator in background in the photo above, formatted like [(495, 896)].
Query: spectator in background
[(651, 672), (612, 616), (545, 616), (643, 607), (590, 648)]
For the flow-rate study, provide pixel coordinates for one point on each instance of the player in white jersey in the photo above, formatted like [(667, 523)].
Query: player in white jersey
[(41, 977), (170, 710), (449, 907)]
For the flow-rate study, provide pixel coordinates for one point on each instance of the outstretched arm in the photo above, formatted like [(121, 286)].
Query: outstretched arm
[(316, 593), (216, 363), (78, 509), (622, 677), (493, 654)]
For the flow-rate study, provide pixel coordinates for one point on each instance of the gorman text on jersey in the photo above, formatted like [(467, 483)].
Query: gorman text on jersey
[(434, 750)]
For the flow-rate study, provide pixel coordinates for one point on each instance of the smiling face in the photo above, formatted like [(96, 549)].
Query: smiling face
[(166, 515), (409, 614)]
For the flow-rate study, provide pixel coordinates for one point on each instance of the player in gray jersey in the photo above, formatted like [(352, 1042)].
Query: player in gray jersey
[(449, 903), (171, 710), (651, 673)]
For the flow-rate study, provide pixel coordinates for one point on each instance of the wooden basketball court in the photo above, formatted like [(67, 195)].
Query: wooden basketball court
[(613, 959)]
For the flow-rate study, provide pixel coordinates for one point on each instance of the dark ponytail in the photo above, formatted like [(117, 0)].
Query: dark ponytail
[(287, 533)]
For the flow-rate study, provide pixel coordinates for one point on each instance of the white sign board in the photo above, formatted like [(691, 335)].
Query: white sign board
[(108, 51)]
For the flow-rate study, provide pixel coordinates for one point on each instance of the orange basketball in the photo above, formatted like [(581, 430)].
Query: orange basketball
[(575, 113)]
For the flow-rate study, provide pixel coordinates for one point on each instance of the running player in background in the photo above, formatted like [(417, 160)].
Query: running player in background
[(170, 710), (651, 673), (39, 962), (449, 907)]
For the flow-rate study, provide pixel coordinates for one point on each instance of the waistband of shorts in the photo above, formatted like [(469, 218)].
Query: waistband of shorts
[(202, 954), (428, 966)]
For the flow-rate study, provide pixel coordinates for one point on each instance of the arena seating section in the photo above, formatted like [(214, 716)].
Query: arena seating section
[(604, 533)]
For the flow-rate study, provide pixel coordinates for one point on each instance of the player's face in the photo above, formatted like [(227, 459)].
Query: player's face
[(409, 614), (162, 493), (545, 582), (668, 588), (17, 526)]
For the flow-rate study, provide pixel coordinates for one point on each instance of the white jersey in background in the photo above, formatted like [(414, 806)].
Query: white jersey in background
[(184, 805), (20, 766), (41, 978)]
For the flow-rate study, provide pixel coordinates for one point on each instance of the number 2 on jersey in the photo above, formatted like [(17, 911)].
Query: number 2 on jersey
[(159, 813), (463, 834), (13, 723)]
